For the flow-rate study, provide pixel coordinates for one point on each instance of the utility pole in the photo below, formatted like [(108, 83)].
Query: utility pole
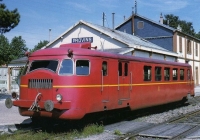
[(49, 35)]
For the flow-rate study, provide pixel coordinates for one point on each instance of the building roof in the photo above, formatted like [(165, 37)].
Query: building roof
[(157, 23), (21, 62), (130, 40)]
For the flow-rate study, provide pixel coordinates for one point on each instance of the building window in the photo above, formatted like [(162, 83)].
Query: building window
[(167, 74), (147, 73), (188, 47), (196, 49), (140, 24), (180, 44), (157, 73)]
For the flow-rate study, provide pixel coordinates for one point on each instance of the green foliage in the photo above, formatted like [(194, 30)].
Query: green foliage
[(8, 19), (18, 47), (30, 135), (117, 132), (39, 45), (10, 51), (187, 27)]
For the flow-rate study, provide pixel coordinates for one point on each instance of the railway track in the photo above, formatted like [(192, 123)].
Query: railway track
[(176, 128), (186, 126)]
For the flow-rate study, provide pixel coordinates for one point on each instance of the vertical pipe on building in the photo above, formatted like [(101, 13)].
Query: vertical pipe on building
[(103, 18)]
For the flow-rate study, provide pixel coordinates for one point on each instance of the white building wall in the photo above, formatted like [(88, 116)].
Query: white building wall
[(100, 40)]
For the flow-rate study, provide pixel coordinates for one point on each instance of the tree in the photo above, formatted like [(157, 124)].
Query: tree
[(10, 51), (174, 22), (4, 50), (8, 19), (39, 45), (18, 47)]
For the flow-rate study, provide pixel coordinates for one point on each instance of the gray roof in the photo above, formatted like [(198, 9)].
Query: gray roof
[(21, 62), (130, 40), (157, 23)]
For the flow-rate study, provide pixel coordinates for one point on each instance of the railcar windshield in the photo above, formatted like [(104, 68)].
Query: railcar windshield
[(66, 68), (44, 64)]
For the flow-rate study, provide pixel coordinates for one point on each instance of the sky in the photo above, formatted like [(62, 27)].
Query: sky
[(47, 19)]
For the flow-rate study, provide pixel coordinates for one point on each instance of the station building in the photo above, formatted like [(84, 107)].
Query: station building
[(113, 41), (186, 46)]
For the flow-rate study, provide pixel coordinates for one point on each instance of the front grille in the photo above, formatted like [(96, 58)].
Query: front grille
[(40, 83)]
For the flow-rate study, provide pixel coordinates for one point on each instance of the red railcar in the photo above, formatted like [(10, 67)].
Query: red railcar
[(73, 80)]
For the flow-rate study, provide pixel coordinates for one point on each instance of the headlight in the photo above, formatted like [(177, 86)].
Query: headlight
[(14, 95), (58, 97)]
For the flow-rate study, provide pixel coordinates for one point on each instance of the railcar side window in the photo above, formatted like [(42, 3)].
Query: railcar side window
[(44, 64), (82, 67), (104, 68), (126, 69), (167, 74), (158, 74), (188, 74), (175, 74), (120, 68), (181, 74), (147, 73), (66, 67)]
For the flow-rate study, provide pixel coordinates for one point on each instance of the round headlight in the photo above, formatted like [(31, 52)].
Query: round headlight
[(58, 97), (14, 95)]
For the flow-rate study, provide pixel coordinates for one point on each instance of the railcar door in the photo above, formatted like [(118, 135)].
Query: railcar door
[(105, 81), (190, 81), (124, 80)]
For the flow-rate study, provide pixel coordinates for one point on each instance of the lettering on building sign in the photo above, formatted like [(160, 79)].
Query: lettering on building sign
[(82, 39)]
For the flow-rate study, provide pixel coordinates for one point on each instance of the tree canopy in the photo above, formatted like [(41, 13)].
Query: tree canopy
[(39, 45), (13, 50), (186, 27), (8, 19)]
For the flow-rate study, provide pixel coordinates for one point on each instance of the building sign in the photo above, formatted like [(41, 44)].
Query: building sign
[(82, 39)]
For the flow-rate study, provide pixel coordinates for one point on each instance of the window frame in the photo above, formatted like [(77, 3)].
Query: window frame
[(167, 75), (67, 73), (75, 68), (182, 74), (158, 76), (148, 75), (105, 69)]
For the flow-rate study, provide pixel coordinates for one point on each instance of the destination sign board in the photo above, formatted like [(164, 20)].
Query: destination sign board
[(82, 39)]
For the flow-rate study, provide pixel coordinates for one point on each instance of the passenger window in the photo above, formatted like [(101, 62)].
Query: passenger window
[(181, 74), (82, 67), (167, 74), (104, 68), (188, 74), (126, 69), (158, 74), (120, 68), (147, 73), (66, 67), (175, 74)]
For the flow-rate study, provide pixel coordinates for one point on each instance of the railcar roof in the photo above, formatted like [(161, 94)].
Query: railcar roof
[(97, 53)]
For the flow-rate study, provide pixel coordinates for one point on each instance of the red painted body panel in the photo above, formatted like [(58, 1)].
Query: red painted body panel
[(84, 94)]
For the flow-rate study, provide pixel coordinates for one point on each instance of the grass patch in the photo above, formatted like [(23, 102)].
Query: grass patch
[(91, 129), (117, 132)]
